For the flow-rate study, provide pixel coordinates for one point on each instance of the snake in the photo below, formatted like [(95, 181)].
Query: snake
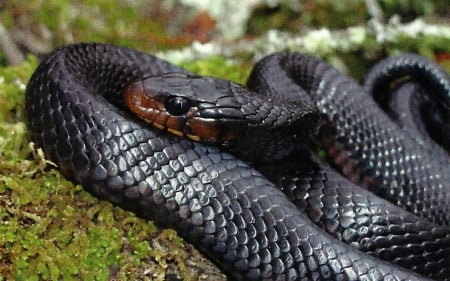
[(290, 218), (419, 88)]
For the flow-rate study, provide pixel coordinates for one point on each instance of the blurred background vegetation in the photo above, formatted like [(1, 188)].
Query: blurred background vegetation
[(51, 229), (37, 26)]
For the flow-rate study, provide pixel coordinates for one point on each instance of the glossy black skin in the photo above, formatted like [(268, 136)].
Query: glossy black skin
[(345, 210), (224, 207), (415, 92), (361, 220), (367, 146), (261, 127), (247, 123)]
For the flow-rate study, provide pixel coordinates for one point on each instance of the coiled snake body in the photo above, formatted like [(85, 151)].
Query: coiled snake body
[(229, 210)]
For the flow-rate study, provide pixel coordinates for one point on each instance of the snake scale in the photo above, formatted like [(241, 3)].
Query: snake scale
[(238, 216)]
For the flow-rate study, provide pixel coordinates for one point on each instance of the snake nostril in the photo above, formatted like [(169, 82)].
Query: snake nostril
[(177, 105)]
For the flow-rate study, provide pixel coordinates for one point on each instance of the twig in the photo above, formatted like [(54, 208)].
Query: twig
[(375, 11), (12, 54)]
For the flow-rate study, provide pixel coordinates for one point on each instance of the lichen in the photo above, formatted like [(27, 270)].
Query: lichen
[(356, 44)]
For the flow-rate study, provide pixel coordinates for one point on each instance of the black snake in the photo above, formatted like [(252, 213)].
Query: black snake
[(229, 210)]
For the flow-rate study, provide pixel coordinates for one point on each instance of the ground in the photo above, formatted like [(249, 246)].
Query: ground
[(52, 229)]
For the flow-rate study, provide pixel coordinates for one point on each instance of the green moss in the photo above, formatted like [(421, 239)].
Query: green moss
[(53, 230), (13, 146), (218, 67)]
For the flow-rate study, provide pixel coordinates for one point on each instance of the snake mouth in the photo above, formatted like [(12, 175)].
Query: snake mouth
[(197, 123)]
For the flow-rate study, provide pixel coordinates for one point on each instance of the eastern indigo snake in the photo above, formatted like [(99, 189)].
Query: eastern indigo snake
[(225, 207)]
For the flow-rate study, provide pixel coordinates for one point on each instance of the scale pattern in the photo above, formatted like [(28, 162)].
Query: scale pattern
[(361, 219), (224, 207), (409, 86), (366, 145)]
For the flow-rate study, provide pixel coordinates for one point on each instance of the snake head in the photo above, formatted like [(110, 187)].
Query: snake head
[(219, 112), (199, 108)]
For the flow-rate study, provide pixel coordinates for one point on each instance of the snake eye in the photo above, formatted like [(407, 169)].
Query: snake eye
[(176, 105)]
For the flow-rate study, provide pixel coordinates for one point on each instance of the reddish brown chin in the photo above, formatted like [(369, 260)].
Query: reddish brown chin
[(210, 130), (145, 106), (142, 103)]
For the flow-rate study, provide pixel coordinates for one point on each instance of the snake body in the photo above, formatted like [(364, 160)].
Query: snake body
[(226, 208), (368, 146), (415, 93)]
